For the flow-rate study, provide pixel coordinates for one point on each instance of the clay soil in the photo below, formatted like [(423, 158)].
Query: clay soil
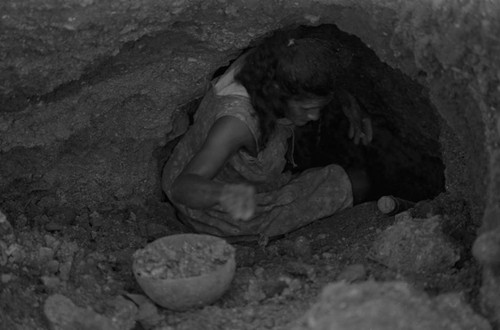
[(275, 283)]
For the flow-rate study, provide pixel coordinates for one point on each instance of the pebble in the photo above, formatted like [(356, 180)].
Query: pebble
[(6, 278), (51, 282), (52, 266), (53, 226), (321, 236), (96, 220), (259, 272), (326, 255), (302, 248), (47, 202), (352, 273), (21, 221), (64, 270), (64, 215), (300, 268), (155, 230), (6, 230), (45, 254), (403, 216), (41, 219), (51, 241)]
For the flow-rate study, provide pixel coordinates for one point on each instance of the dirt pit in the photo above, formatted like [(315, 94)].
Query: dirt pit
[(88, 260)]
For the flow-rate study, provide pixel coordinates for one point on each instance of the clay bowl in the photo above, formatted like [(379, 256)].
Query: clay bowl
[(185, 271)]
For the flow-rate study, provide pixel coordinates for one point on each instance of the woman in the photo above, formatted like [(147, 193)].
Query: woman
[(226, 176)]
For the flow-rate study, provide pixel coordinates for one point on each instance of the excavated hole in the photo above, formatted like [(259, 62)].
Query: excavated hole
[(404, 158)]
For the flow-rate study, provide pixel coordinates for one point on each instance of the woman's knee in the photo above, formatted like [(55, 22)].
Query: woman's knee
[(360, 183)]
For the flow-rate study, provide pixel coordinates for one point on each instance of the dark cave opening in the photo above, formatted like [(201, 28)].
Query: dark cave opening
[(404, 158)]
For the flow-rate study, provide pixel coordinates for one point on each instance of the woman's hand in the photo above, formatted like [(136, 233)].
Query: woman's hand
[(360, 128), (238, 200)]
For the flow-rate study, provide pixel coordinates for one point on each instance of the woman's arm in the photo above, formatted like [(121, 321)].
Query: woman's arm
[(194, 187), (360, 129)]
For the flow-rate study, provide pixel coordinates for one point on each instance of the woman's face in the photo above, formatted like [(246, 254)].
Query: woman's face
[(303, 110)]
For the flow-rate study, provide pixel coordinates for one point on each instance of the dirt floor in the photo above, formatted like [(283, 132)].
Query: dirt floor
[(85, 255)]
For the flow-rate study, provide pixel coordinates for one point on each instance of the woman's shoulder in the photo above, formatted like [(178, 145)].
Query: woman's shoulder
[(239, 107)]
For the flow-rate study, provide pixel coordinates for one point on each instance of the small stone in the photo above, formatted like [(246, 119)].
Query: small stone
[(272, 288), (64, 270), (326, 255), (16, 253), (47, 202), (147, 314), (62, 313), (486, 248), (96, 220), (245, 256), (53, 226), (259, 271), (82, 219), (302, 248), (154, 230), (45, 254), (352, 273), (301, 268), (52, 266), (51, 242), (6, 230), (64, 215), (51, 282), (21, 221), (6, 278), (403, 216), (41, 219)]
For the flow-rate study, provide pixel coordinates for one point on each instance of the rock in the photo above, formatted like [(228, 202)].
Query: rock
[(6, 278), (52, 282), (63, 215), (21, 221), (6, 231), (254, 291), (96, 220), (300, 268), (45, 255), (416, 246), (53, 226), (51, 242), (52, 266), (41, 220), (63, 314), (352, 273), (15, 253), (390, 305), (245, 256), (47, 202), (122, 312), (154, 230), (273, 287), (302, 248), (486, 248), (147, 314)]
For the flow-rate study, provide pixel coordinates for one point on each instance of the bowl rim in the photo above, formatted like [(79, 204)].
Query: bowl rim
[(220, 268)]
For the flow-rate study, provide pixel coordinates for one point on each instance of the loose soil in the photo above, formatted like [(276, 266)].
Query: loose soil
[(273, 285)]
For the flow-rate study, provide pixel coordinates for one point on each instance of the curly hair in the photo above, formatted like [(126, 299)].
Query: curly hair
[(288, 65)]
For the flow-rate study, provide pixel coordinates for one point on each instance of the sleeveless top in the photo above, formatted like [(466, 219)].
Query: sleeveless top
[(228, 98)]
